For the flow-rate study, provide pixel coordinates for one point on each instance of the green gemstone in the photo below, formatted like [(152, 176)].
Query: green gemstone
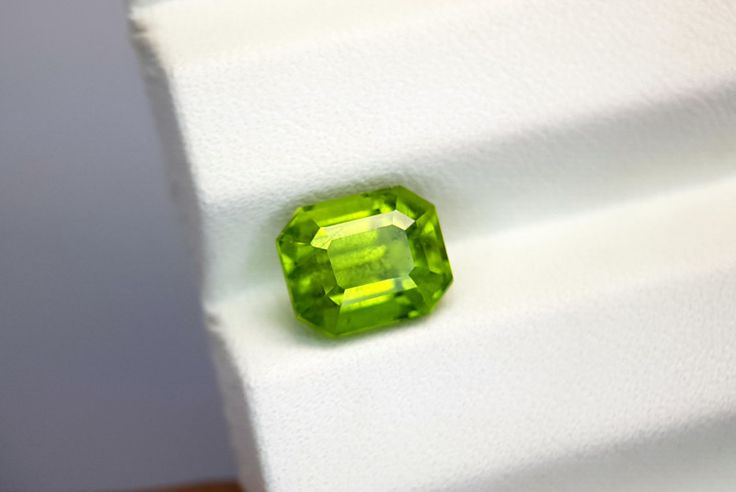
[(364, 261)]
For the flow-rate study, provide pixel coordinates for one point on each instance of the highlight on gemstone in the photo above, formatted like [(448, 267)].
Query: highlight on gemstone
[(364, 261)]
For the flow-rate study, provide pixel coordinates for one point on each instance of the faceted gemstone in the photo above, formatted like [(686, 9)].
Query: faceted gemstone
[(364, 261)]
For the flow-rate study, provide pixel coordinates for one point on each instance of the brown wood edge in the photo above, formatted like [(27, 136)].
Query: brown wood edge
[(199, 487)]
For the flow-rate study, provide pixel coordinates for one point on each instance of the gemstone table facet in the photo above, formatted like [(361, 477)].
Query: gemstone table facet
[(364, 261)]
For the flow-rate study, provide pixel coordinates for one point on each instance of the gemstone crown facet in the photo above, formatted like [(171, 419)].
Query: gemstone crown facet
[(364, 261)]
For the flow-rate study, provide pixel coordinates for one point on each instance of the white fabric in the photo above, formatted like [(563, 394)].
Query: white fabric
[(581, 155)]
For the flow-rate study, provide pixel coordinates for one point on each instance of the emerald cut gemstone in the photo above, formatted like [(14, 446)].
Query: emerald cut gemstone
[(364, 261)]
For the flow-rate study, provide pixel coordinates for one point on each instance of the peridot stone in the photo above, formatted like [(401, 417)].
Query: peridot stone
[(364, 261)]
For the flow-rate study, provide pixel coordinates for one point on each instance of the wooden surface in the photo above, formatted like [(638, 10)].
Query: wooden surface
[(202, 487)]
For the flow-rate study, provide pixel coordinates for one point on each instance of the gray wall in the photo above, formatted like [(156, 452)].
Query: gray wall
[(104, 376)]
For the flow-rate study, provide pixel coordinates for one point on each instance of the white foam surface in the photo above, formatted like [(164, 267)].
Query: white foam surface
[(582, 158), (533, 108), (564, 339)]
